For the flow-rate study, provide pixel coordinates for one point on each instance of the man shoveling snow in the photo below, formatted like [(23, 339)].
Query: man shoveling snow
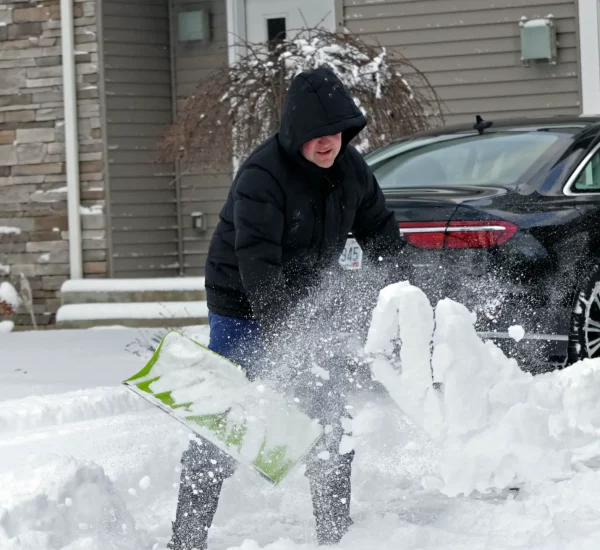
[(283, 228)]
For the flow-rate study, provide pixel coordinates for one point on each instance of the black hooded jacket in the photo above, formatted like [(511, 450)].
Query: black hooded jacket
[(286, 219)]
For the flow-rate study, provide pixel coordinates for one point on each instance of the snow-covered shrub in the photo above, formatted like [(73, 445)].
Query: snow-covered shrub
[(10, 302), (237, 107), (9, 298)]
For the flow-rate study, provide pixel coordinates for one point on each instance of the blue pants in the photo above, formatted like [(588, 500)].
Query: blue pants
[(238, 340)]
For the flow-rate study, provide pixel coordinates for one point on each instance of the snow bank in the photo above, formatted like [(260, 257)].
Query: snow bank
[(496, 425), (37, 411), (64, 503)]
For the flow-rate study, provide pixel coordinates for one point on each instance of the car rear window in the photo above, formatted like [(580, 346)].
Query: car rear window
[(493, 159)]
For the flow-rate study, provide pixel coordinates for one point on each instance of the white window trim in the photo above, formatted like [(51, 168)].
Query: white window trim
[(589, 51), (236, 28)]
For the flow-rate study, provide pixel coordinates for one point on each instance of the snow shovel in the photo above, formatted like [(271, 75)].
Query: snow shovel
[(212, 397)]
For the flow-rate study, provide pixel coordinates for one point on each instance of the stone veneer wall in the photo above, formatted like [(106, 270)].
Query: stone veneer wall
[(33, 198)]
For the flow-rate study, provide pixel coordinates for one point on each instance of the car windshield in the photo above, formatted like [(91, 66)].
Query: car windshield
[(499, 158)]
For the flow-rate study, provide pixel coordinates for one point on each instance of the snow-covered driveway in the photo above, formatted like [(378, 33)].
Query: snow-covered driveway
[(86, 465)]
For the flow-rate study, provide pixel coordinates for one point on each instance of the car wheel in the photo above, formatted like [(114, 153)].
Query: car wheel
[(584, 339)]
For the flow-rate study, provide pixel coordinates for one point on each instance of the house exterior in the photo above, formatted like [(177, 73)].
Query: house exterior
[(88, 86)]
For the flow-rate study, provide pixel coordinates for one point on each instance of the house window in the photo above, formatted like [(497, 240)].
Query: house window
[(275, 30)]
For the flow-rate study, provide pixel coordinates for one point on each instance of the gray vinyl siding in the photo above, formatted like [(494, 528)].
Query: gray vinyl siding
[(200, 190), (139, 106), (470, 52)]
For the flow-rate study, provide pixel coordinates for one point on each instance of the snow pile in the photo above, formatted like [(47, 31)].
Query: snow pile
[(497, 426), (560, 516), (64, 503), (9, 296), (6, 327), (121, 463), (37, 411)]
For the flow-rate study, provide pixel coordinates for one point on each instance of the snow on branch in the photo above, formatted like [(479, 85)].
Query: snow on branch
[(236, 108)]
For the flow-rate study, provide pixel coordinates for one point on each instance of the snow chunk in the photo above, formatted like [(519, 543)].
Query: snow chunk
[(64, 503), (368, 420), (324, 455), (516, 332), (6, 327), (320, 372), (144, 483), (346, 445)]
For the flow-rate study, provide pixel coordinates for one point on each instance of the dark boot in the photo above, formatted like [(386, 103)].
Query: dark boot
[(330, 487), (205, 467)]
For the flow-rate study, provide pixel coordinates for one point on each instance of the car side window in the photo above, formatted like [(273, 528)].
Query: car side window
[(589, 177)]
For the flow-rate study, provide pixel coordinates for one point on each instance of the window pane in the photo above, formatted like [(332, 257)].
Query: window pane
[(589, 178), (275, 29), (492, 159)]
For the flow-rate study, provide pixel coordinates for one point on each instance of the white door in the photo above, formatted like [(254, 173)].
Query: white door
[(267, 18)]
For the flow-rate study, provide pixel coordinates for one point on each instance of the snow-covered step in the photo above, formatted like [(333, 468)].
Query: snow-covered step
[(102, 291), (134, 314)]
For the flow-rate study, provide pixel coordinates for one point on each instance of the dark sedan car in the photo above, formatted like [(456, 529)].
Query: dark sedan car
[(505, 218)]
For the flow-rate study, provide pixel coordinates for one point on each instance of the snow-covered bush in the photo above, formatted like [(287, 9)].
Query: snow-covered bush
[(10, 302), (237, 107), (9, 298)]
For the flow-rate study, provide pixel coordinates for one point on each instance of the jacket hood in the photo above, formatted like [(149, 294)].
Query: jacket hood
[(318, 104)]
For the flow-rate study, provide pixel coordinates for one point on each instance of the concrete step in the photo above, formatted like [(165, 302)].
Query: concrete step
[(135, 314), (131, 323), (112, 291)]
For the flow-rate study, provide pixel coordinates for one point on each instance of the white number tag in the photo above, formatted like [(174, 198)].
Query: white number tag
[(351, 257)]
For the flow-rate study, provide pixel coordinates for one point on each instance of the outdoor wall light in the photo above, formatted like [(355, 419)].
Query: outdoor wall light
[(199, 221), (193, 26), (538, 40)]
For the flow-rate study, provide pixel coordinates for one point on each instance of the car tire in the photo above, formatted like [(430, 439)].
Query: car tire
[(584, 337)]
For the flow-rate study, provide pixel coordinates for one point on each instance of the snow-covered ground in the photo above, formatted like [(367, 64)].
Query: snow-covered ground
[(87, 465)]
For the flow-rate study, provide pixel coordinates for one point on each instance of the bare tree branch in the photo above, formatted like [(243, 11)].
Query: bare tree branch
[(237, 107)]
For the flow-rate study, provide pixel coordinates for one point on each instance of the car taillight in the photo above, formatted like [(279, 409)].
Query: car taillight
[(457, 234)]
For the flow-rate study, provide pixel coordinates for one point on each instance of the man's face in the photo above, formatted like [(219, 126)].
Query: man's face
[(322, 151)]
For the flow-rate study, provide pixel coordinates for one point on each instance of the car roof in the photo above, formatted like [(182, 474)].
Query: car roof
[(507, 123)]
